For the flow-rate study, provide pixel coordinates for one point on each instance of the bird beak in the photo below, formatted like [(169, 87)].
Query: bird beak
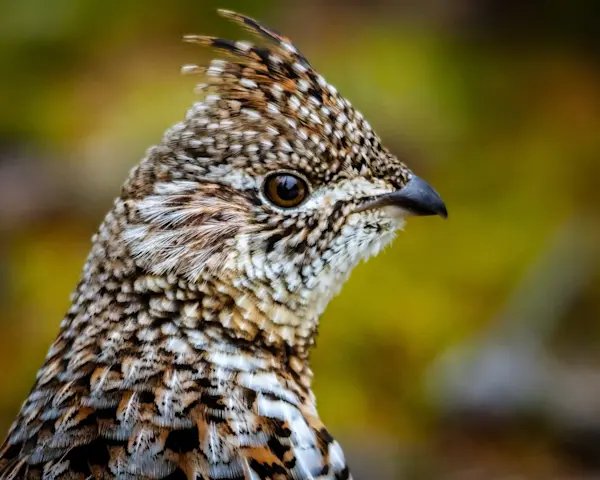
[(417, 197)]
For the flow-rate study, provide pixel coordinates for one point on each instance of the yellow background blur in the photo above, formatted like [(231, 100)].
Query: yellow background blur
[(469, 349)]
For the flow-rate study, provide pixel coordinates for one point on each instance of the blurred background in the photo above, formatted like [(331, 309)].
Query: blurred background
[(468, 350)]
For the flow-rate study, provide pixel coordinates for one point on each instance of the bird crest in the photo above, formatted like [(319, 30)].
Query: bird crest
[(279, 83)]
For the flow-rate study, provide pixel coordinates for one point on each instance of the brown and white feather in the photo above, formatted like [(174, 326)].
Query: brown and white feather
[(185, 351)]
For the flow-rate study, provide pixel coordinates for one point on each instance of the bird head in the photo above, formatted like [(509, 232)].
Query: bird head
[(273, 181)]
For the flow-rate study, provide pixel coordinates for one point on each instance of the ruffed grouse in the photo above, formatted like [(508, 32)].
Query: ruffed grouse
[(185, 351)]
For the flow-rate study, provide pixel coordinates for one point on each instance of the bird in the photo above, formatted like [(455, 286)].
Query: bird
[(185, 351)]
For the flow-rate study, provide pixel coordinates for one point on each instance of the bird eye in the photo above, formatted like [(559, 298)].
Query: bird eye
[(285, 190)]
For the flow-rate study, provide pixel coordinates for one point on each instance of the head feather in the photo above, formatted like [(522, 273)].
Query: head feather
[(279, 83)]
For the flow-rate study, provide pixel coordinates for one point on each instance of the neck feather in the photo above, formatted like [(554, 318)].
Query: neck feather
[(120, 311)]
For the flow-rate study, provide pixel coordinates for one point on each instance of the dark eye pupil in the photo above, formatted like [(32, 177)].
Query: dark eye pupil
[(288, 188), (285, 190)]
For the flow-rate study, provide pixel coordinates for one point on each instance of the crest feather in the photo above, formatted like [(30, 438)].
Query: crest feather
[(278, 82)]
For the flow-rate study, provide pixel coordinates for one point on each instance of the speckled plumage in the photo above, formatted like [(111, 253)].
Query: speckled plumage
[(185, 351)]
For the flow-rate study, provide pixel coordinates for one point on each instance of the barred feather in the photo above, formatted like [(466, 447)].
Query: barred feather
[(185, 351)]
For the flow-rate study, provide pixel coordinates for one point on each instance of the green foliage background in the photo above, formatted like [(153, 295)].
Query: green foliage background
[(494, 103)]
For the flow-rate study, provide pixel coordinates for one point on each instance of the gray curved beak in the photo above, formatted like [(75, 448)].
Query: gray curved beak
[(417, 197)]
